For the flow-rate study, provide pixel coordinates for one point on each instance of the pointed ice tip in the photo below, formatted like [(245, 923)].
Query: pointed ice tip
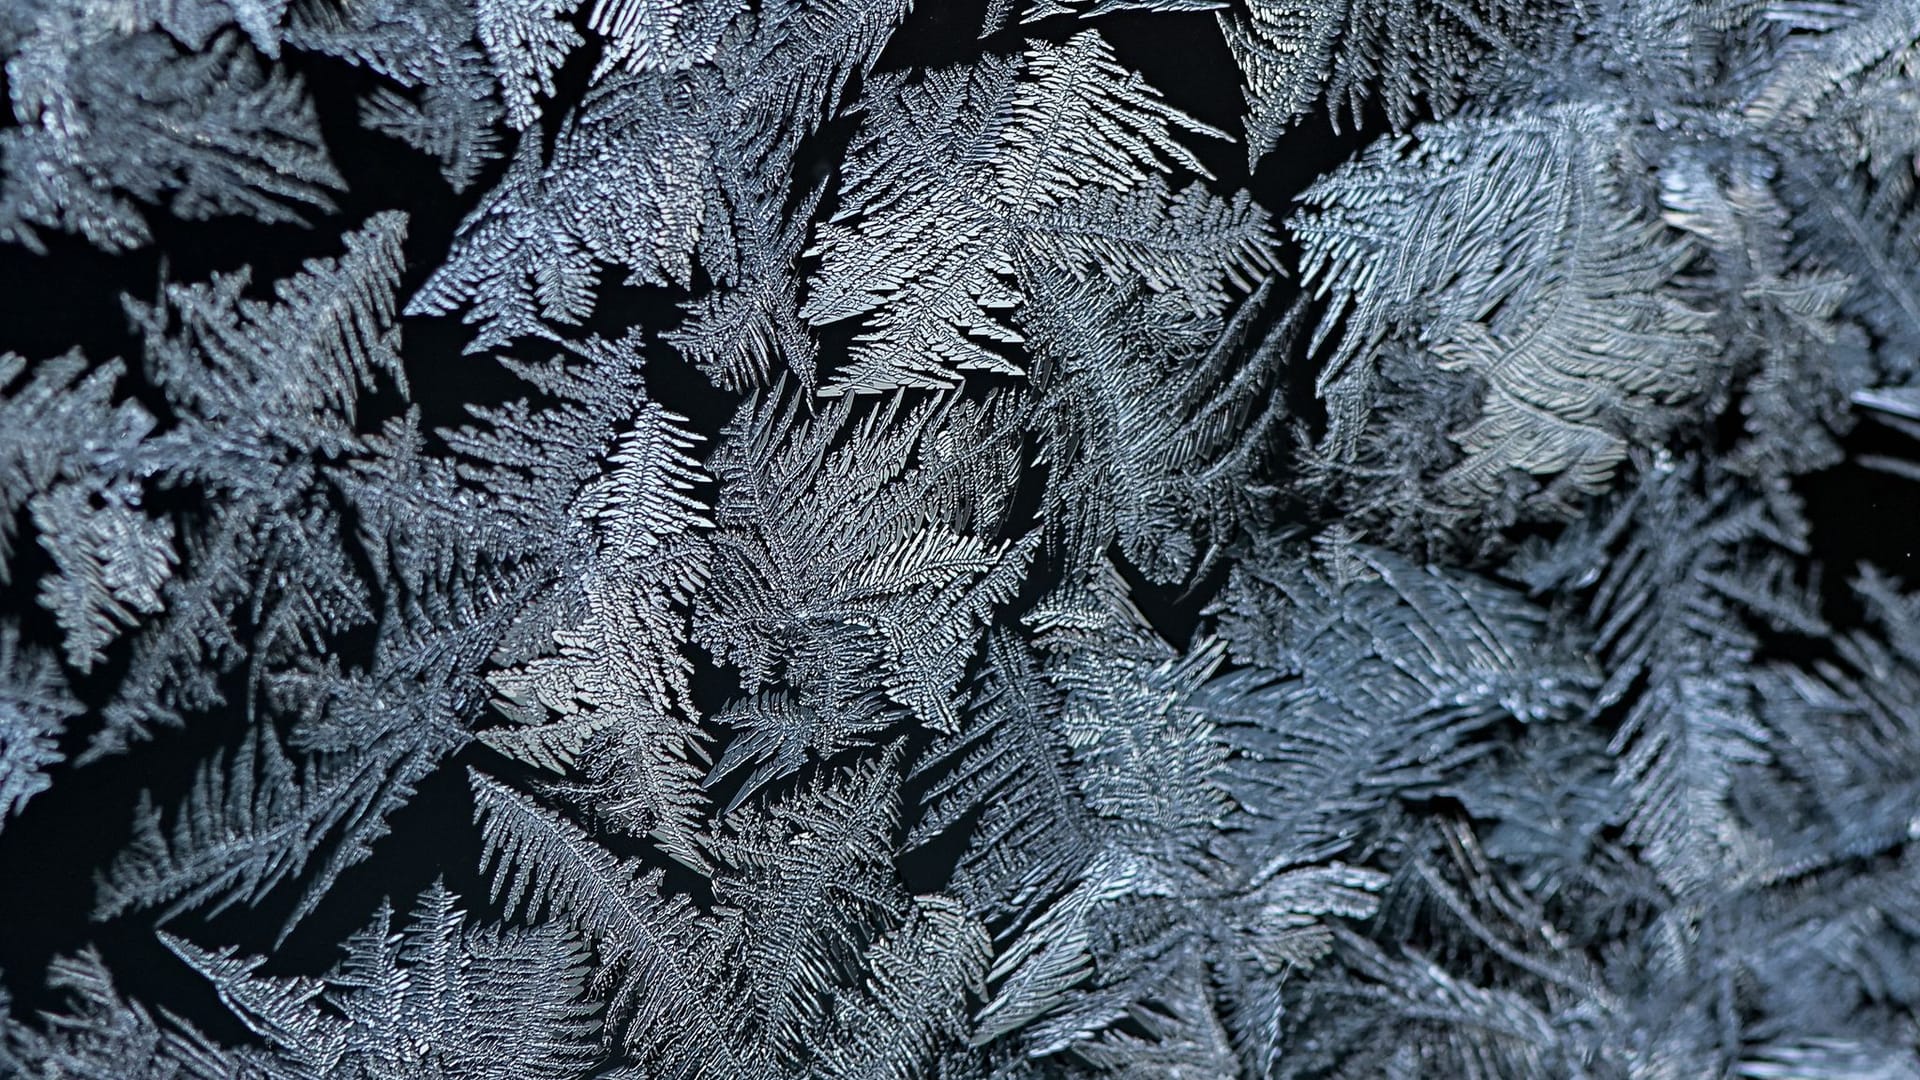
[(1898, 400)]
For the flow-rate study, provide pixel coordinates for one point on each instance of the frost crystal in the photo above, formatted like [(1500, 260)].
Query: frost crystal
[(820, 539)]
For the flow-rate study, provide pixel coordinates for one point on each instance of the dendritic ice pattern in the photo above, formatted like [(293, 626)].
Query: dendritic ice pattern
[(959, 540)]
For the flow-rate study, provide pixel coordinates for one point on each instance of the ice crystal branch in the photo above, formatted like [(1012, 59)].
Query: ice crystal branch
[(908, 616)]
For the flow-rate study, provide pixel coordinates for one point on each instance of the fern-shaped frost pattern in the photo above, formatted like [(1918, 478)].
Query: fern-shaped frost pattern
[(915, 579)]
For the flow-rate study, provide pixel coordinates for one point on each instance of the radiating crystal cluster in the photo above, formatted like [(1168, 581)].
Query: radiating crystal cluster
[(975, 578)]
